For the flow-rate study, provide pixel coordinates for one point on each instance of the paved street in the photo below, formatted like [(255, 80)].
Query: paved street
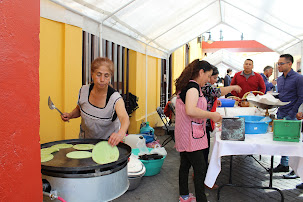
[(164, 186)]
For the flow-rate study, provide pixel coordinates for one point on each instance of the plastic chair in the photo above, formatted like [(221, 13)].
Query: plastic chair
[(172, 108), (169, 129)]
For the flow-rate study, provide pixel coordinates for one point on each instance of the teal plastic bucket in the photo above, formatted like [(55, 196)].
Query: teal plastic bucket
[(153, 167)]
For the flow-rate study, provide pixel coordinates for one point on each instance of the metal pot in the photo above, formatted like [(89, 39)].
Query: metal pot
[(136, 171), (79, 180)]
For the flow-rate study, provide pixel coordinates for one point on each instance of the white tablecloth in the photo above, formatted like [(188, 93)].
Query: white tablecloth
[(253, 144)]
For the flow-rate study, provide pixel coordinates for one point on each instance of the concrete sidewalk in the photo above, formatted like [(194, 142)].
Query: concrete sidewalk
[(164, 186)]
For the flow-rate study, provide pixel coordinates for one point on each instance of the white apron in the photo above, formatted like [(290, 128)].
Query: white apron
[(97, 123)]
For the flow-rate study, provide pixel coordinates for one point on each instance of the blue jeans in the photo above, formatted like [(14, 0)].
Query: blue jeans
[(284, 159)]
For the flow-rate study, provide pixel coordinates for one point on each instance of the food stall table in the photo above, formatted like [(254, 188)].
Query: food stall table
[(260, 144)]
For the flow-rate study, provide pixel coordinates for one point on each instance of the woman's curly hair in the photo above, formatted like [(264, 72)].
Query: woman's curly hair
[(191, 72)]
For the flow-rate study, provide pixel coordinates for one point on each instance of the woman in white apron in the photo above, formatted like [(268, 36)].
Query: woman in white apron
[(190, 132), (102, 109)]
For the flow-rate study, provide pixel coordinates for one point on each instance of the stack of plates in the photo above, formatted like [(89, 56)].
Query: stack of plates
[(136, 171)]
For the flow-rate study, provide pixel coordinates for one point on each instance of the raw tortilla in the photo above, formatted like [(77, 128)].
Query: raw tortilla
[(48, 150), (62, 146), (104, 153), (83, 146), (46, 157), (79, 155)]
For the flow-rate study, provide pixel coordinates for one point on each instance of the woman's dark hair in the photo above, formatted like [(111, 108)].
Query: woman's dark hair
[(191, 72), (215, 70)]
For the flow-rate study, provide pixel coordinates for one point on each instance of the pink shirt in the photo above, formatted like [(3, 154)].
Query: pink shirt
[(190, 132)]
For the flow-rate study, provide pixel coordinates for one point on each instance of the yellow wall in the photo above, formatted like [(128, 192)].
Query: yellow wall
[(178, 59), (60, 75), (137, 86), (195, 50), (178, 64)]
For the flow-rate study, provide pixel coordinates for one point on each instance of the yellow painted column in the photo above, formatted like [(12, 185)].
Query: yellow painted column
[(178, 64), (50, 68), (137, 86), (195, 51), (60, 74), (72, 76), (178, 59)]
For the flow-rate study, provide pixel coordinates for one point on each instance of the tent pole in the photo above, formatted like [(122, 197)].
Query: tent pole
[(100, 39), (221, 12), (167, 78), (301, 63), (146, 68)]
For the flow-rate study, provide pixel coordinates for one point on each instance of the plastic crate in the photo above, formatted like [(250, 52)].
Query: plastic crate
[(255, 125), (287, 130)]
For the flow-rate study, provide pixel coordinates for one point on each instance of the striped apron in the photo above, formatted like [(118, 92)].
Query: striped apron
[(190, 132)]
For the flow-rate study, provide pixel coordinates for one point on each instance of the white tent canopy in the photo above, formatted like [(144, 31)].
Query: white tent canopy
[(224, 60), (158, 27)]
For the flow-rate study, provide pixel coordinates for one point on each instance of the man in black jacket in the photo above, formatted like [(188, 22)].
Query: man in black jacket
[(227, 80)]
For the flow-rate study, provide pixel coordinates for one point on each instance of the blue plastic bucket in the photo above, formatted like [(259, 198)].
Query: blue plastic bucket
[(153, 167), (254, 125), (227, 102)]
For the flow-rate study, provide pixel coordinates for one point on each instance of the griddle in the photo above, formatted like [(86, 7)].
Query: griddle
[(61, 163)]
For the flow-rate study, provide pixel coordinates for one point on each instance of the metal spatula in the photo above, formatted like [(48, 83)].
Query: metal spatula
[(52, 106)]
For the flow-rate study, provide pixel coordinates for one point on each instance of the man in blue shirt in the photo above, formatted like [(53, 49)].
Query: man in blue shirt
[(267, 73), (290, 90)]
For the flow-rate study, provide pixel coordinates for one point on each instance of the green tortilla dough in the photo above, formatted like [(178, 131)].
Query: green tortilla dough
[(104, 153), (83, 146), (46, 157), (79, 155), (48, 150), (62, 146)]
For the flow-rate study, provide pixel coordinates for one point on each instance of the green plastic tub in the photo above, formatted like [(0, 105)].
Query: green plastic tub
[(287, 130), (153, 167)]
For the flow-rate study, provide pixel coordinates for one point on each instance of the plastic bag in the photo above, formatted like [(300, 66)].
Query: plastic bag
[(153, 144), (141, 145), (159, 150)]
